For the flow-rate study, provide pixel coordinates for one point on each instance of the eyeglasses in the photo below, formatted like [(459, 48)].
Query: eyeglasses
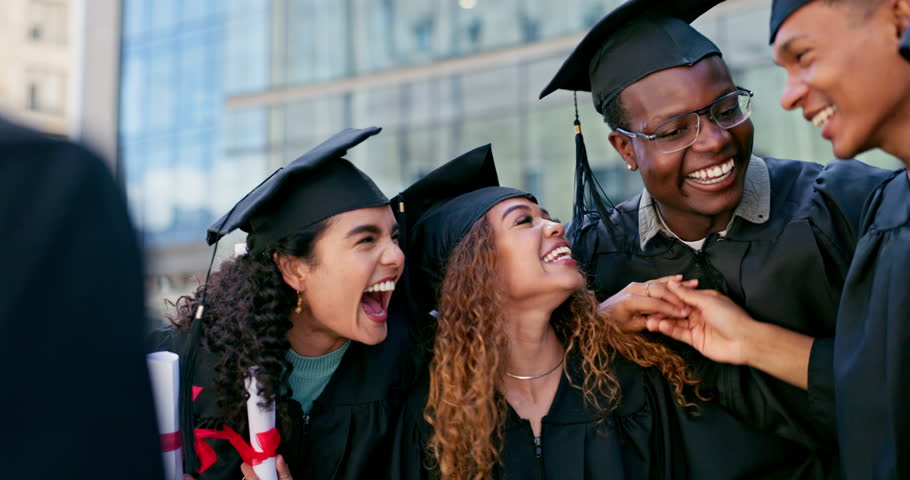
[(681, 131)]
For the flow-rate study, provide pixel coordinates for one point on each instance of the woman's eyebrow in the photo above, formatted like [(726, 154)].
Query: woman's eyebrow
[(513, 208)]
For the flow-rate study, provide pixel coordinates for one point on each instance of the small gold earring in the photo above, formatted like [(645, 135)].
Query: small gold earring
[(299, 303)]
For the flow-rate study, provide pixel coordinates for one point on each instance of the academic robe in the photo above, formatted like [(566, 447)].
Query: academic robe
[(346, 435), (640, 439), (76, 401), (788, 270), (872, 350)]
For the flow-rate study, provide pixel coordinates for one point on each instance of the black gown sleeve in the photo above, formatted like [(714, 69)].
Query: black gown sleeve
[(872, 360), (72, 318), (840, 192)]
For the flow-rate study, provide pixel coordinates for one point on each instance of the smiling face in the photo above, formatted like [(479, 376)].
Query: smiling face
[(845, 73), (534, 263), (347, 285), (704, 179)]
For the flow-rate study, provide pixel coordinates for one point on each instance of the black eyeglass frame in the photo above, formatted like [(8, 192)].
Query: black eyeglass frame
[(699, 112)]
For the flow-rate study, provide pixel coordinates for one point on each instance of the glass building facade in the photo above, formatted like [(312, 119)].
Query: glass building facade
[(217, 94)]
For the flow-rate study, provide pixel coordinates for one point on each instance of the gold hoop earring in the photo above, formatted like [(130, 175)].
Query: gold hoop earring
[(299, 303)]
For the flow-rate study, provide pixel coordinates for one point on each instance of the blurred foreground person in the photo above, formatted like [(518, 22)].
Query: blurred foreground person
[(845, 71), (76, 399)]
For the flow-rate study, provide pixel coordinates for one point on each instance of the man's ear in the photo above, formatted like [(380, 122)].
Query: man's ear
[(901, 13), (623, 145), (293, 270)]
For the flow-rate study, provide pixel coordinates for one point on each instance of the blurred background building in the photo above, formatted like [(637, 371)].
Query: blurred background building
[(197, 101), (36, 58)]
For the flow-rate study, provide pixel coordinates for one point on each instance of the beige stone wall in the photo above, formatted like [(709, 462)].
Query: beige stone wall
[(35, 60)]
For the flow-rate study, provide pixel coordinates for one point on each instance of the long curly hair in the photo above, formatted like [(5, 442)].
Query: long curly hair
[(471, 350), (247, 317)]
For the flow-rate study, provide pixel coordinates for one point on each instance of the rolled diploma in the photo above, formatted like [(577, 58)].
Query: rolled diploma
[(164, 372), (261, 420)]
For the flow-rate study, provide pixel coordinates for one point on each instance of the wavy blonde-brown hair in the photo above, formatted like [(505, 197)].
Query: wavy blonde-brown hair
[(471, 350)]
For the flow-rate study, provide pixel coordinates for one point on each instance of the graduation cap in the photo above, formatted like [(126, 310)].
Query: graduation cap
[(437, 211), (317, 185), (636, 39), (780, 12)]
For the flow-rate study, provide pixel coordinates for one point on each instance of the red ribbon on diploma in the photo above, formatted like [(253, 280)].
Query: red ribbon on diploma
[(170, 441), (269, 439)]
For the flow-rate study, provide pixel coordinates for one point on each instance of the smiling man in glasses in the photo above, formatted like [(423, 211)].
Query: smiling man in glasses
[(775, 236)]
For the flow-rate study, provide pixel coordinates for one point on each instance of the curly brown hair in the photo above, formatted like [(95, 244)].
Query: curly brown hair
[(471, 350), (247, 316)]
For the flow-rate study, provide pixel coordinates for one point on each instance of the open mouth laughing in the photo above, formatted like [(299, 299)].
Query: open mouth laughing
[(561, 254), (375, 299), (821, 118)]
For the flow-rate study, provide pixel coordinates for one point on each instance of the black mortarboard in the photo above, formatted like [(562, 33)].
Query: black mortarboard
[(636, 39), (781, 11), (315, 186), (437, 211)]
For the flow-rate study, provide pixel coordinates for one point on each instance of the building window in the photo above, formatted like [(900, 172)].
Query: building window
[(46, 91), (47, 22)]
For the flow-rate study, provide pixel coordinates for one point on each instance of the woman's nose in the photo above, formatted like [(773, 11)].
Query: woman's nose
[(554, 229)]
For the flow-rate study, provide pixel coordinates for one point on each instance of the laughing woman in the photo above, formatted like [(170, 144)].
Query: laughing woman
[(308, 305), (526, 379)]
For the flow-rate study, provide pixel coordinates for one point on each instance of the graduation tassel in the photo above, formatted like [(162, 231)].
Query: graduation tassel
[(188, 361), (589, 196)]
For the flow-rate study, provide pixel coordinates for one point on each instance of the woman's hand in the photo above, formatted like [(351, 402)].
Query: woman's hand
[(631, 306), (284, 473)]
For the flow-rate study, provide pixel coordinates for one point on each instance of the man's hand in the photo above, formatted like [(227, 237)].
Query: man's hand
[(717, 327), (724, 332)]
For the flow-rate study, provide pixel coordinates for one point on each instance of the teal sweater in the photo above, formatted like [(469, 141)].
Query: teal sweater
[(310, 375)]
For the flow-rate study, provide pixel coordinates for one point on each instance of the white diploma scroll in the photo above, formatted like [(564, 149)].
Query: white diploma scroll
[(261, 420), (164, 372)]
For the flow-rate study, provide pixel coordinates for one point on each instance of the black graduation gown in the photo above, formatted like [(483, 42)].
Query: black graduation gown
[(788, 271), (346, 435), (638, 440), (77, 400), (871, 355)]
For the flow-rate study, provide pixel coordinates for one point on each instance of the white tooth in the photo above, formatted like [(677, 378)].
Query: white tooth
[(368, 290), (389, 286), (716, 172)]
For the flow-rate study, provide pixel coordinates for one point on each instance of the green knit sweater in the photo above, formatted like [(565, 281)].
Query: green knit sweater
[(310, 375)]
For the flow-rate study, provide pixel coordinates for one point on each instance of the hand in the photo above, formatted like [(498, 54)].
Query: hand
[(631, 306), (717, 327), (284, 473)]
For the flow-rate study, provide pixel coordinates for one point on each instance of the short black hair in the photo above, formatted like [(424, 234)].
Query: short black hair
[(862, 9), (615, 113)]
